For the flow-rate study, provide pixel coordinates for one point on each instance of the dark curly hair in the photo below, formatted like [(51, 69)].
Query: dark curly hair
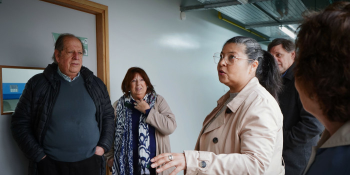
[(323, 59)]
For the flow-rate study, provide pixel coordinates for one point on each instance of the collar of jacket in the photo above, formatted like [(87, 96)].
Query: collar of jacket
[(340, 138), (52, 76), (241, 96), (290, 73)]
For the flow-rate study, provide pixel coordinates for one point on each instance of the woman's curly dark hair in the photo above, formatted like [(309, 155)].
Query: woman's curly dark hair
[(323, 59)]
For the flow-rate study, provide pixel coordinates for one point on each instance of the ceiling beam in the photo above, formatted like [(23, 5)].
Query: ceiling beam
[(207, 6), (267, 13), (254, 1), (272, 24)]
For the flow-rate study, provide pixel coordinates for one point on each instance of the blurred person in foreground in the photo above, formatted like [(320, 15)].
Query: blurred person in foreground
[(322, 78)]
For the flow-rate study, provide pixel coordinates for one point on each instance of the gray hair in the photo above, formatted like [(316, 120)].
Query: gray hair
[(59, 45)]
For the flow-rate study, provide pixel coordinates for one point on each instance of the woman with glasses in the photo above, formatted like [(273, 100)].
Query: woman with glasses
[(144, 122), (243, 134)]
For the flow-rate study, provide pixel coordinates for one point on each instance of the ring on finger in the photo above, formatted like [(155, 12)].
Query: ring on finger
[(170, 157)]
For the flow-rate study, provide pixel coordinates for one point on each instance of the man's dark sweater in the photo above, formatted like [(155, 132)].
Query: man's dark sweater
[(73, 133)]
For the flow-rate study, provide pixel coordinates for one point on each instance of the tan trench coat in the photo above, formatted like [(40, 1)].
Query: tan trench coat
[(163, 120), (248, 140)]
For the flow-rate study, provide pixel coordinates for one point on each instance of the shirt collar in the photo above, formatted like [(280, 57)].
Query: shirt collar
[(284, 73), (289, 74), (65, 77), (339, 138)]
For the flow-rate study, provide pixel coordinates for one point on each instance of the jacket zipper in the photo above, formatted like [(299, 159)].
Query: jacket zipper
[(98, 107)]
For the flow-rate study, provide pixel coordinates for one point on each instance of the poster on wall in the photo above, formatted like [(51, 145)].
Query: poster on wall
[(12, 82), (82, 39)]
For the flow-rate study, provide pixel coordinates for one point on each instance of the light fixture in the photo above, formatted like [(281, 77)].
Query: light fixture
[(292, 27), (287, 31)]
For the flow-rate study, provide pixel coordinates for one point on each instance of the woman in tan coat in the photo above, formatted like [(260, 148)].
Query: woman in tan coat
[(243, 134), (144, 122)]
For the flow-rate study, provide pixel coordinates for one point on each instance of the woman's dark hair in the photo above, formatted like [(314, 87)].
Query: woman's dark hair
[(323, 60), (130, 74), (267, 71)]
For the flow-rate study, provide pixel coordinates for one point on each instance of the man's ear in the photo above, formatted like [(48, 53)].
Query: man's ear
[(293, 55), (57, 55)]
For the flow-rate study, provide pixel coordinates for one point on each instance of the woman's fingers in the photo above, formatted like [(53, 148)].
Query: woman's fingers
[(160, 159), (177, 170), (141, 106), (154, 159), (178, 160), (166, 166)]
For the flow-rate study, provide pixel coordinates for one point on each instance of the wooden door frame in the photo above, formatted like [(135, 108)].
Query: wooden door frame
[(102, 42)]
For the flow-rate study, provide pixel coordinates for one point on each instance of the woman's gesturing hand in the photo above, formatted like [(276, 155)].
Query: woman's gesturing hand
[(141, 105), (168, 160)]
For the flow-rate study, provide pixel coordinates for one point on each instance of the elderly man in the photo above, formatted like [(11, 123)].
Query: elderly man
[(300, 129), (64, 119)]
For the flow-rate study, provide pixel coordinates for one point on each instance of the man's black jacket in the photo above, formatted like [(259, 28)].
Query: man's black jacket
[(33, 112), (301, 130)]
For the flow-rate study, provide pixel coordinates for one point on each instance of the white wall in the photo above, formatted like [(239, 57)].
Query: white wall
[(26, 40), (176, 54)]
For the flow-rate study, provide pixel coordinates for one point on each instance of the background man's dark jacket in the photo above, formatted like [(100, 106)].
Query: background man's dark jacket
[(300, 129), (30, 120)]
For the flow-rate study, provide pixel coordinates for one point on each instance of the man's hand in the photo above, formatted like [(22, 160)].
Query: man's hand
[(99, 151), (110, 164)]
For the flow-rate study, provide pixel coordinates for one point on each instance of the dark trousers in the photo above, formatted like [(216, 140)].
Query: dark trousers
[(89, 166)]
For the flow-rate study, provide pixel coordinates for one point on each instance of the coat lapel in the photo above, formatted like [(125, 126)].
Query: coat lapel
[(233, 106), (243, 95), (221, 102), (217, 123)]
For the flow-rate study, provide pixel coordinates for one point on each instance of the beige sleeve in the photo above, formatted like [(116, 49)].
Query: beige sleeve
[(161, 117), (110, 154)]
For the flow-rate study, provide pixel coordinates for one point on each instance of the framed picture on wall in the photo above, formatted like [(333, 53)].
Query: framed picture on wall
[(13, 80)]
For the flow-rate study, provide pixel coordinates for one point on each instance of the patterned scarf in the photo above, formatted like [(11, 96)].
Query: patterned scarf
[(123, 147)]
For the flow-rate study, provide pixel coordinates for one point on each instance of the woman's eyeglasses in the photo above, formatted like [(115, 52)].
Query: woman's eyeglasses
[(229, 59)]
